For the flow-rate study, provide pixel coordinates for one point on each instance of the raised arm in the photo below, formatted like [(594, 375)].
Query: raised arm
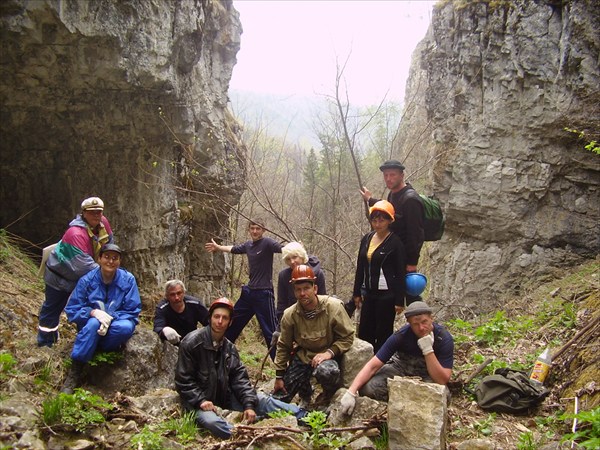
[(212, 247)]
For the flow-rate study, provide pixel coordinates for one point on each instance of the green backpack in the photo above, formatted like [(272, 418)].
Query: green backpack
[(433, 217), (434, 222), (509, 391)]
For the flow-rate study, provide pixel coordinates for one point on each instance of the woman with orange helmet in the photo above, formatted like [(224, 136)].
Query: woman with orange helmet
[(379, 282)]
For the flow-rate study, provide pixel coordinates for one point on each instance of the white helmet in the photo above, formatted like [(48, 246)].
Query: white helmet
[(92, 204)]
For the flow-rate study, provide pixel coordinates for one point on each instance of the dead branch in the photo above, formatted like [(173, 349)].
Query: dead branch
[(577, 336)]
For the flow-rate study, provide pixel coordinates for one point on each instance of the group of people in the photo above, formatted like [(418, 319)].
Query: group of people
[(83, 277), (306, 334)]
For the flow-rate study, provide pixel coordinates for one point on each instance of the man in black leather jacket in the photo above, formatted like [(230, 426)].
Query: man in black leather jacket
[(210, 375)]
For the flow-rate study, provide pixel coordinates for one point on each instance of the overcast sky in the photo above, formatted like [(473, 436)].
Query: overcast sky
[(290, 47)]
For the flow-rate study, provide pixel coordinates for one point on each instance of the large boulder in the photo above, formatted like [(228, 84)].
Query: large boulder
[(147, 364), (354, 360), (417, 414)]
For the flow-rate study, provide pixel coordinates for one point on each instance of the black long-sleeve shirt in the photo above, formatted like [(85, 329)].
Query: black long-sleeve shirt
[(409, 221)]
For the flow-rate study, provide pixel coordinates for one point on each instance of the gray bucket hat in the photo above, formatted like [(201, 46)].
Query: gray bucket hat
[(416, 308), (392, 164)]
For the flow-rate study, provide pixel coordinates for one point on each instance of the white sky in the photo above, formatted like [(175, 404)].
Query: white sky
[(290, 46)]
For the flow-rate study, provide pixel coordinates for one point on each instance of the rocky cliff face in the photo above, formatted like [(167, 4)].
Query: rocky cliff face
[(491, 91), (125, 100)]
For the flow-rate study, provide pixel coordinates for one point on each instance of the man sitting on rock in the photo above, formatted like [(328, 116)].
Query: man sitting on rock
[(322, 330), (105, 306), (178, 313), (210, 375), (422, 348)]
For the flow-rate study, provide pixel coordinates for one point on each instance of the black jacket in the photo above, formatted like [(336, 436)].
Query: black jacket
[(195, 312), (409, 221), (203, 373), (389, 257)]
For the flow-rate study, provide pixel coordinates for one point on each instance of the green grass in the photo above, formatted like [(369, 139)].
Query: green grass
[(79, 410), (184, 428)]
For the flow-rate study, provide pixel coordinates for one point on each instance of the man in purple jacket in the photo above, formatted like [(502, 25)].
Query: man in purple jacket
[(74, 256)]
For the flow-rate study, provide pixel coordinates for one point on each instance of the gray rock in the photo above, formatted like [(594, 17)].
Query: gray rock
[(31, 440), (112, 85), (365, 409), (147, 364), (158, 403), (81, 444), (490, 92), (417, 414), (477, 444), (19, 405), (362, 444), (354, 360)]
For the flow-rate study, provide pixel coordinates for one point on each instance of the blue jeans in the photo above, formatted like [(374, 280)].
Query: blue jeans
[(88, 340), (254, 301), (218, 426), (49, 317)]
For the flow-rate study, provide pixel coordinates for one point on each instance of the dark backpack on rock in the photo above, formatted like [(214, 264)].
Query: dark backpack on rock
[(509, 391)]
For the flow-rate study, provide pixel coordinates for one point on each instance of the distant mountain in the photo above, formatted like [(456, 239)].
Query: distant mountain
[(284, 116)]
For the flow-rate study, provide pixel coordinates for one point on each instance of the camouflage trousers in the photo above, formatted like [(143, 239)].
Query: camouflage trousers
[(298, 374), (400, 364)]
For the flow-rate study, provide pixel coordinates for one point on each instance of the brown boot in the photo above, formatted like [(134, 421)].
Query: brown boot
[(74, 377)]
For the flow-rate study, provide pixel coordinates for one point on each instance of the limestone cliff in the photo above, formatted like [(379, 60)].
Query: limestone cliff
[(490, 93), (125, 100)]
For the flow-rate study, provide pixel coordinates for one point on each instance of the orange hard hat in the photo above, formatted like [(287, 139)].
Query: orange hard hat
[(222, 302), (383, 206), (302, 272)]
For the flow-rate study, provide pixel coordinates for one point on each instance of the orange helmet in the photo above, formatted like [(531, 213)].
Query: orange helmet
[(302, 272), (222, 302), (383, 206)]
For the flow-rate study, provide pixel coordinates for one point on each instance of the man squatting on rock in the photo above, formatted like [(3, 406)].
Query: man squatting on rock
[(422, 348), (178, 313), (210, 375), (315, 332), (105, 306)]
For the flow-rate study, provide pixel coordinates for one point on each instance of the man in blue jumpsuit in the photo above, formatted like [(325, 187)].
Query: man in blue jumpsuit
[(105, 306)]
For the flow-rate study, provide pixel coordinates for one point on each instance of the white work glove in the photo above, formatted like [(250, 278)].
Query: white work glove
[(103, 317), (348, 403), (426, 344), (171, 335), (275, 338)]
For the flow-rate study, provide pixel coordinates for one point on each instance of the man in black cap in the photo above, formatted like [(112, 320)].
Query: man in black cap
[(409, 214), (422, 348)]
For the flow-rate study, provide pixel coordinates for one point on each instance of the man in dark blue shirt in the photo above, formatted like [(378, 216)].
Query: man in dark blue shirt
[(257, 296), (420, 349), (178, 313)]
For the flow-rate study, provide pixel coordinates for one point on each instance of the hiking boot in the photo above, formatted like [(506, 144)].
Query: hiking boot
[(304, 403), (74, 377)]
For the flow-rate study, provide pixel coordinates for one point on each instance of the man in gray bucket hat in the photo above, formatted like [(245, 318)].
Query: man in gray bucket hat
[(422, 348)]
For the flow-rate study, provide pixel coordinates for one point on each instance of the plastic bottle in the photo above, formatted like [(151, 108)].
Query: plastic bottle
[(542, 366)]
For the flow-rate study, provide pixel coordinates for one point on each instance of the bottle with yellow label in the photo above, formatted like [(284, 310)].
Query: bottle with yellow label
[(542, 366)]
